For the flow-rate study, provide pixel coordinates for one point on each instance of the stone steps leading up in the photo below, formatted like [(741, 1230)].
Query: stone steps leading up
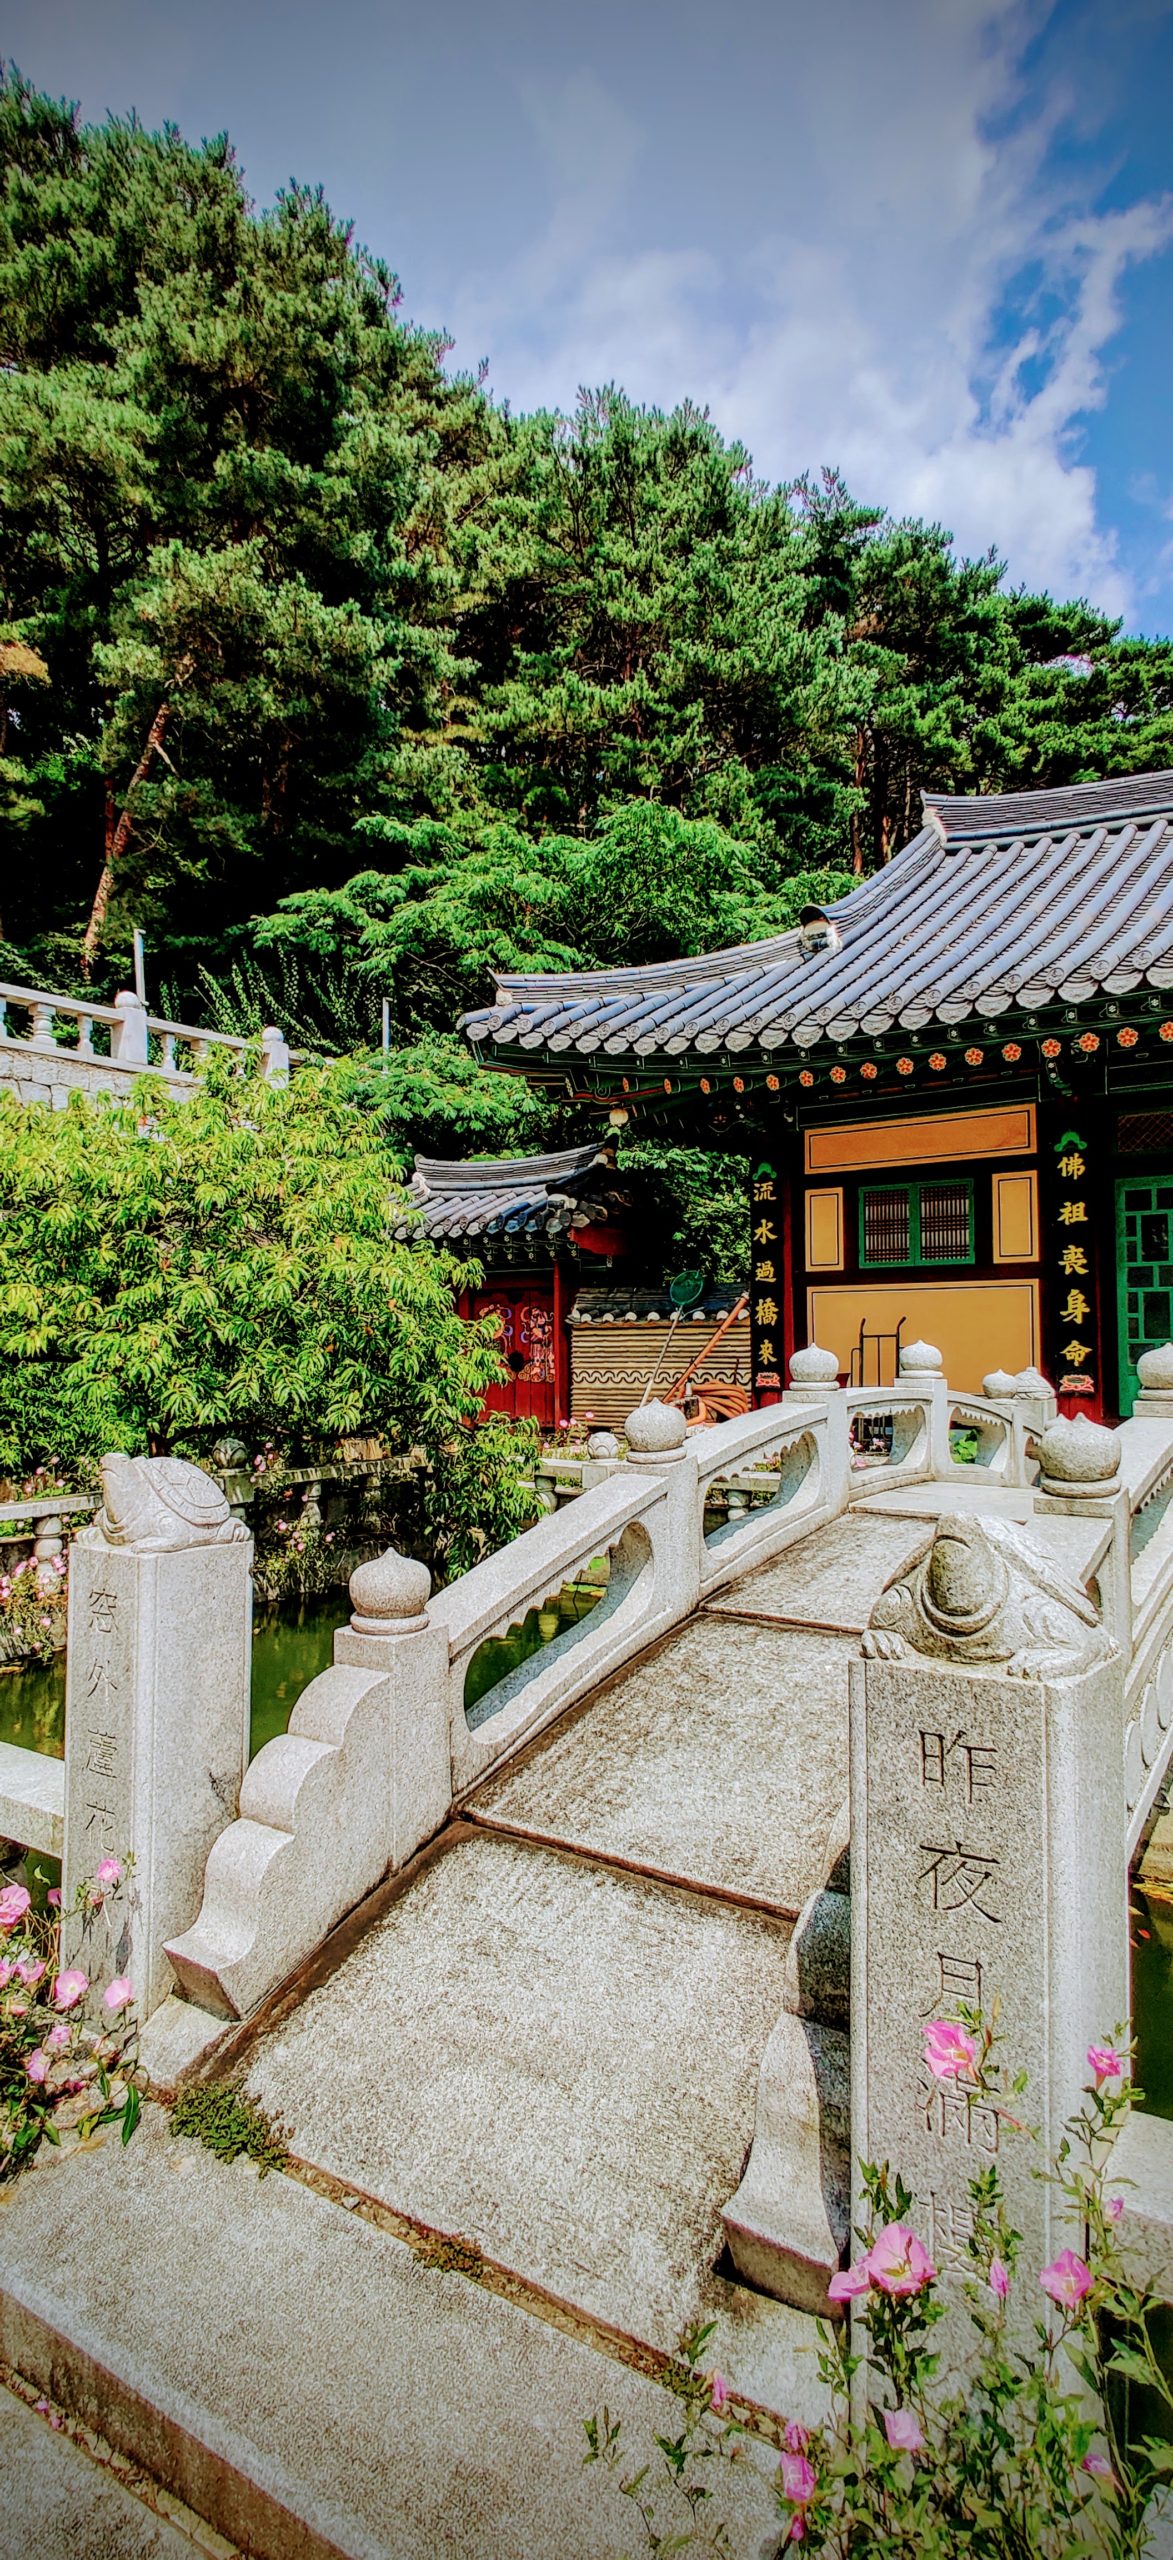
[(298, 2378)]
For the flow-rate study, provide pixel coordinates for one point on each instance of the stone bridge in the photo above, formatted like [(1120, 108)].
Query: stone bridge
[(592, 1989), (54, 1045)]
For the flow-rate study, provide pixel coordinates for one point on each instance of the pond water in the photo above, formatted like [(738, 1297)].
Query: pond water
[(290, 1647)]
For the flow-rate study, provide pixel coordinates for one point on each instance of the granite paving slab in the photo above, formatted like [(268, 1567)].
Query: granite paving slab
[(721, 1758), (302, 2381), (830, 1579), (57, 2504), (556, 2061)]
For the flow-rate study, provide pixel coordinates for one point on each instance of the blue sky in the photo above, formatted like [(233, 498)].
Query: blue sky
[(930, 241)]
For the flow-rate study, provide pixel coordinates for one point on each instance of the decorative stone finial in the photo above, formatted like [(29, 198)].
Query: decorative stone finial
[(920, 1360), (602, 1444), (655, 1432), (1031, 1382), (155, 1505), (389, 1595), (813, 1367), (1079, 1457), (1000, 1384), (1155, 1369), (230, 1456), (981, 1594)]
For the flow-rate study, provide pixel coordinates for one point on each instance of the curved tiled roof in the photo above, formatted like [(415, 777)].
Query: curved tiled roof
[(1025, 900), (515, 1195)]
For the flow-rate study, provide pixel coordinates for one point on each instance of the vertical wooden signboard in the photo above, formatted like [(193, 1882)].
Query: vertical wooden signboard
[(1073, 1330), (767, 1283)]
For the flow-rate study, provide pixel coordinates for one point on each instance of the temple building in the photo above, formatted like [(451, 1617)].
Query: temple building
[(953, 1092)]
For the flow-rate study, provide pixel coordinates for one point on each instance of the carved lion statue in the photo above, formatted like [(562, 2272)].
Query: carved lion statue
[(980, 1591), (155, 1504)]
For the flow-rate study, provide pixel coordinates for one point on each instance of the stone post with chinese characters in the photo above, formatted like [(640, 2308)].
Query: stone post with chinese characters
[(157, 1703), (988, 1866)]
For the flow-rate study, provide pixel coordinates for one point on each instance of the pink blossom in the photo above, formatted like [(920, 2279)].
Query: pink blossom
[(798, 2478), (108, 1871), (1100, 2468), (849, 2282), (14, 1902), (797, 2531), (1115, 2207), (794, 2437), (18, 2008), (58, 2037), (119, 1993), (898, 2262), (70, 1987), (37, 2065), (999, 2279), (1067, 2280), (903, 2431), (1104, 2060), (719, 2391), (53, 1897), (950, 2051), (6, 1971), (30, 1969)]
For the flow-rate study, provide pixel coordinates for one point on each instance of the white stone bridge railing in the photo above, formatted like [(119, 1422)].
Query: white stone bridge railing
[(54, 1045), (384, 1745)]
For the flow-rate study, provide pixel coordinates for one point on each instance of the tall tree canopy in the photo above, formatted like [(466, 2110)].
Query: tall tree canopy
[(346, 683)]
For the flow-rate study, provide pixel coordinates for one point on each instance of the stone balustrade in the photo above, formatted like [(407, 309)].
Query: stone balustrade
[(54, 1045)]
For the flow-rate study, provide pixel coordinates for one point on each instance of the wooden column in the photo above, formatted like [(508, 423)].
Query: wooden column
[(562, 1378)]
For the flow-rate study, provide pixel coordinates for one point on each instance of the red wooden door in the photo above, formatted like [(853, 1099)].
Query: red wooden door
[(526, 1318)]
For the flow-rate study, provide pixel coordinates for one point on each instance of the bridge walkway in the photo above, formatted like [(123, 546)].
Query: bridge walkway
[(548, 2044)]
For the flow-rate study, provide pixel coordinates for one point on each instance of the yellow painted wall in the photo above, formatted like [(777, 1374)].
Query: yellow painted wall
[(939, 1137), (1016, 1217), (977, 1325), (824, 1230)]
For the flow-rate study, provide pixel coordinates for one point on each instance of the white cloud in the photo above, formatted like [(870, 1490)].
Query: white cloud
[(928, 306)]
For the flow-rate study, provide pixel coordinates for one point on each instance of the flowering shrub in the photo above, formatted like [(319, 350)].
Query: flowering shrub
[(66, 2057), (1024, 2456), (32, 1613), (295, 1562)]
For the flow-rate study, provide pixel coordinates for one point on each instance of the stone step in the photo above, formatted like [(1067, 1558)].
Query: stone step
[(555, 2061), (720, 1760), (301, 2380), (58, 2503)]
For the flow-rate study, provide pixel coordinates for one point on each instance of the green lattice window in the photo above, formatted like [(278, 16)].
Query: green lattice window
[(1144, 1218), (915, 1222)]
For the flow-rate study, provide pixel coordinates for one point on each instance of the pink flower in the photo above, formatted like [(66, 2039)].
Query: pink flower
[(794, 2437), (798, 2478), (53, 1897), (797, 2531), (1067, 2280), (950, 2051), (999, 2279), (119, 1993), (6, 1972), (37, 2065), (1104, 2060), (1115, 2207), (903, 2431), (718, 2391), (1100, 2468), (69, 1988), (30, 1969), (898, 2262), (58, 2037), (108, 1871), (849, 2282), (14, 1902)]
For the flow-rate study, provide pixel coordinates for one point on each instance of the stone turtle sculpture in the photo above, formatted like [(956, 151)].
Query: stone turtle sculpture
[(979, 1592), (153, 1505)]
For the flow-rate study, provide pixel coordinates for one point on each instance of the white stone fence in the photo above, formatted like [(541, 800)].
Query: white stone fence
[(60, 1045), (382, 1746)]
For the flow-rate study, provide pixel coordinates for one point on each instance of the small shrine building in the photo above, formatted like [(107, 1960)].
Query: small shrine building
[(953, 1091)]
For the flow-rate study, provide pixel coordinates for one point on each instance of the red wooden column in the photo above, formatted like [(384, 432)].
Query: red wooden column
[(562, 1381)]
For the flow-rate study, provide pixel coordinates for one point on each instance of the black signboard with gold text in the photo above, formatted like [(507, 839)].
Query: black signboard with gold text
[(766, 1281)]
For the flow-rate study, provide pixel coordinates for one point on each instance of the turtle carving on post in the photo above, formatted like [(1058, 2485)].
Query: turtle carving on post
[(980, 1592), (152, 1505)]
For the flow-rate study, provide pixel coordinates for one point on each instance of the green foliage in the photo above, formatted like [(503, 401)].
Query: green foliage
[(696, 1204), (479, 1492), (227, 2123), (172, 1270), (294, 625)]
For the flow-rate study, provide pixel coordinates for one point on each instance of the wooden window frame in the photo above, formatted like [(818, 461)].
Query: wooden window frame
[(911, 1191)]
